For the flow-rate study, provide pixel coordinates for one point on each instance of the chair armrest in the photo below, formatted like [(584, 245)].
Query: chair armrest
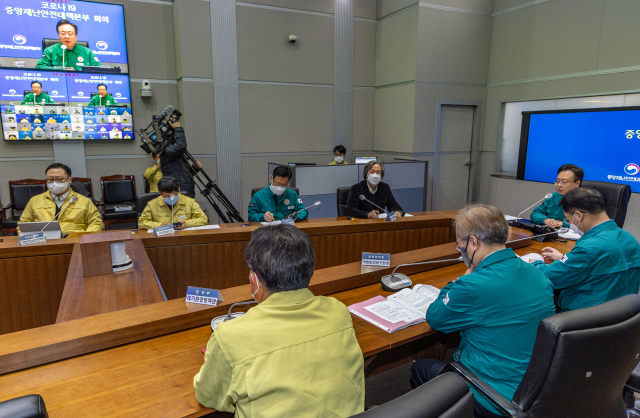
[(489, 392), (3, 211)]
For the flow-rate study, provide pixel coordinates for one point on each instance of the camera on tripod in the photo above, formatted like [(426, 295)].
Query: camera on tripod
[(159, 133)]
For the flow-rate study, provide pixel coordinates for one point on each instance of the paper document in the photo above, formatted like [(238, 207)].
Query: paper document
[(271, 223), (532, 257), (428, 291), (195, 228), (417, 303), (407, 215), (382, 215), (511, 218), (391, 312)]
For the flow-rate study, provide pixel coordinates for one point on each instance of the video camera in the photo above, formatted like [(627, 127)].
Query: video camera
[(159, 133)]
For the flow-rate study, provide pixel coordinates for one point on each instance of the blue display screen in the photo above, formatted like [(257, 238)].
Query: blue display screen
[(604, 143), (26, 22)]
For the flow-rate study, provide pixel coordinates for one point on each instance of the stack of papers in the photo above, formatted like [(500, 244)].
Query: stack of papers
[(196, 228), (271, 223)]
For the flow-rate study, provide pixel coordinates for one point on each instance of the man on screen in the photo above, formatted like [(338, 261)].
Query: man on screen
[(76, 56), (102, 99), (550, 212), (36, 97)]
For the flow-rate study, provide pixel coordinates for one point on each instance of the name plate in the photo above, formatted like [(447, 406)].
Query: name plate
[(33, 238), (376, 259), (288, 221), (163, 230), (391, 217), (202, 296)]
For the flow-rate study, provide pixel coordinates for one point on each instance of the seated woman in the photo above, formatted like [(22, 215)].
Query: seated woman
[(374, 190)]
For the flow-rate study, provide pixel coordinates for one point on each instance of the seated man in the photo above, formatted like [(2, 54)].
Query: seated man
[(550, 212), (36, 97), (605, 262), (153, 174), (374, 190), (339, 154), (276, 202), (294, 354), (102, 99), (73, 55), (184, 208), (79, 216), (496, 305)]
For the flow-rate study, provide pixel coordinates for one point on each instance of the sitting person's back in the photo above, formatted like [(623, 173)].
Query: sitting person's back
[(295, 354)]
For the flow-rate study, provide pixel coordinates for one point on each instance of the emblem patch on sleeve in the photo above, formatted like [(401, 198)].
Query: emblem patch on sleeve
[(446, 299), (300, 201), (564, 258)]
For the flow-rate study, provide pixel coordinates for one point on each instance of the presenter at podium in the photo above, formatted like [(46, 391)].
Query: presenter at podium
[(67, 53), (374, 190), (102, 99), (36, 97), (550, 212), (74, 216)]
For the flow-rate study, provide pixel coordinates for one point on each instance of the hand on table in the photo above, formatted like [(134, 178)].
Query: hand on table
[(398, 214), (373, 214), (553, 223), (551, 254), (183, 225)]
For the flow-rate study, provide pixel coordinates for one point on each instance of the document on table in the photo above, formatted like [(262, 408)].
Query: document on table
[(271, 223), (414, 300), (391, 312), (511, 218), (195, 228)]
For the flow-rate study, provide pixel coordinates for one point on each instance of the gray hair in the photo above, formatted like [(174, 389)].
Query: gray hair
[(370, 164), (484, 222)]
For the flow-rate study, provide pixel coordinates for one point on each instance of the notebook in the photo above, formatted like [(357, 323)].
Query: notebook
[(400, 310)]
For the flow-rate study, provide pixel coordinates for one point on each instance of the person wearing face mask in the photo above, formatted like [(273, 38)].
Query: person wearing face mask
[(275, 202), (79, 216), (294, 354), (339, 155), (374, 190), (153, 174), (550, 212), (605, 262), (171, 206), (496, 305)]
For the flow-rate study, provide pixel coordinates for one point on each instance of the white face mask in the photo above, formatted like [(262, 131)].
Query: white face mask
[(277, 190), (57, 188), (574, 228), (339, 159), (374, 179)]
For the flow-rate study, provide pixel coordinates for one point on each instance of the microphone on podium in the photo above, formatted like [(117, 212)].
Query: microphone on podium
[(298, 211), (394, 282), (517, 224)]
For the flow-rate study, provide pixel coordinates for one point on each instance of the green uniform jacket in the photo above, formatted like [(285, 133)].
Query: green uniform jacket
[(497, 309), (97, 100), (604, 265), (77, 57), (29, 99), (550, 208), (295, 354), (265, 201)]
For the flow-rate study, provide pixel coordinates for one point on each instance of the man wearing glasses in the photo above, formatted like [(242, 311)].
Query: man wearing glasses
[(550, 212), (78, 216)]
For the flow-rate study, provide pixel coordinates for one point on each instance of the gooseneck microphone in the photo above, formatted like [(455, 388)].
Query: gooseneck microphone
[(548, 195), (394, 282), (364, 198), (64, 47), (298, 211), (73, 199)]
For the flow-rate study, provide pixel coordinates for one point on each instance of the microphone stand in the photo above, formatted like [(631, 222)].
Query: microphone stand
[(73, 199)]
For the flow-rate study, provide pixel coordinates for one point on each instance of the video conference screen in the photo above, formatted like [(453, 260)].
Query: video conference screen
[(605, 143), (69, 115), (25, 23)]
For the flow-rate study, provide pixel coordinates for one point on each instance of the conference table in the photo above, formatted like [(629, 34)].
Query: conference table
[(141, 361)]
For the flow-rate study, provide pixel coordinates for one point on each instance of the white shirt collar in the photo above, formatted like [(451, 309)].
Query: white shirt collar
[(370, 189), (60, 199)]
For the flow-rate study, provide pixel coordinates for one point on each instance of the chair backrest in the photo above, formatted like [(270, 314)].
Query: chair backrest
[(145, 182), (21, 191), (343, 196), (580, 362), (118, 188), (143, 199), (254, 191), (85, 182), (446, 396), (47, 42), (30, 406), (616, 198)]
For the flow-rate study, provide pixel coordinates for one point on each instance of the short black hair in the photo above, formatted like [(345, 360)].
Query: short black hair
[(583, 199), (168, 185), (282, 171), (341, 149), (66, 169), (34, 82), (282, 257), (578, 173), (65, 22), (98, 86)]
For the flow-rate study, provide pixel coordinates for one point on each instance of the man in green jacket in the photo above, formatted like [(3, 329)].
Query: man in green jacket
[(36, 97), (605, 262), (292, 355), (550, 212), (102, 99), (276, 202), (496, 305), (75, 56)]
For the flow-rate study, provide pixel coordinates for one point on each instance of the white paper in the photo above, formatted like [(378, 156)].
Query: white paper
[(407, 215), (271, 223), (511, 218), (427, 290), (532, 257), (382, 215), (195, 228), (150, 231), (418, 303), (392, 312)]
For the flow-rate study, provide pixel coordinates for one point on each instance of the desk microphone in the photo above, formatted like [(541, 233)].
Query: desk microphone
[(519, 224), (298, 211), (364, 198), (557, 231), (224, 318), (73, 199), (64, 47), (393, 283)]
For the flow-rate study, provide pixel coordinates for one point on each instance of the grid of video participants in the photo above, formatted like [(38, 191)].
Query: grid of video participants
[(51, 122)]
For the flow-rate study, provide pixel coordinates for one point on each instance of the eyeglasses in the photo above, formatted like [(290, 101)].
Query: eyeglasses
[(57, 180), (563, 182)]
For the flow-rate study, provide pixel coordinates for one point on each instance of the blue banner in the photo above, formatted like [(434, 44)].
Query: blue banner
[(81, 86), (13, 84)]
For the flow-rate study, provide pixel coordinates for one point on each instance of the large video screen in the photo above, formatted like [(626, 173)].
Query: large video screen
[(26, 22), (605, 143), (68, 114)]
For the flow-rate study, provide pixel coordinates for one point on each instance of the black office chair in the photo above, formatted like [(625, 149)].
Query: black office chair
[(147, 187), (580, 363), (343, 196), (20, 192), (616, 198), (143, 199), (47, 42), (30, 406), (446, 396), (254, 191), (118, 190), (632, 387)]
